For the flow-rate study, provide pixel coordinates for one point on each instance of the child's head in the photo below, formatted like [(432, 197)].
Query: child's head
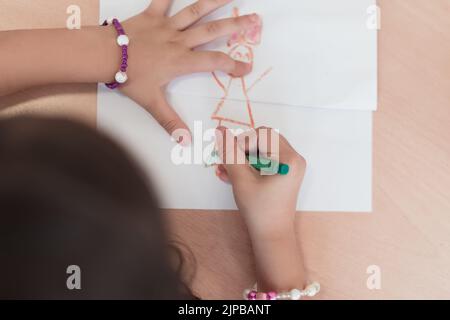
[(70, 196), (241, 43)]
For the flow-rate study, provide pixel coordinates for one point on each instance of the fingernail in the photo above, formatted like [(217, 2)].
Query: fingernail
[(254, 18), (185, 141), (222, 176), (243, 71)]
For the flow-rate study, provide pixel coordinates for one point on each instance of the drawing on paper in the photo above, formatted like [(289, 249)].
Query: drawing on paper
[(241, 47)]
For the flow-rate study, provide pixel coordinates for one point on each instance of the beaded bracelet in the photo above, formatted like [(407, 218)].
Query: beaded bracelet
[(123, 41), (295, 294)]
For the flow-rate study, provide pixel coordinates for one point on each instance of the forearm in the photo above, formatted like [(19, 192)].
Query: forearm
[(279, 264), (41, 57)]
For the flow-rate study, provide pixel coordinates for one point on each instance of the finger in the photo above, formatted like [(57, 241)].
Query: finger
[(268, 142), (208, 61), (213, 30), (170, 120), (222, 174), (159, 7), (193, 13), (275, 146), (233, 157)]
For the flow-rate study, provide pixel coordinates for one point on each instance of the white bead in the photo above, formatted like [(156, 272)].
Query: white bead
[(283, 296), (295, 294), (123, 40), (121, 77), (312, 289), (307, 292)]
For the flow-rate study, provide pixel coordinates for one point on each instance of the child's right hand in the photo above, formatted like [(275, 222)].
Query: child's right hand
[(267, 203)]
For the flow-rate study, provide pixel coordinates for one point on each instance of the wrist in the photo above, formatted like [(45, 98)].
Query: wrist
[(268, 227), (53, 56), (108, 54), (279, 265), (279, 236)]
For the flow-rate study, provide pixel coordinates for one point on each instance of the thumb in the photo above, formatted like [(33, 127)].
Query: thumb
[(233, 157), (170, 120)]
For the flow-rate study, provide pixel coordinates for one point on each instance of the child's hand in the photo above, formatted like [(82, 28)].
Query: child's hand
[(267, 203), (161, 49)]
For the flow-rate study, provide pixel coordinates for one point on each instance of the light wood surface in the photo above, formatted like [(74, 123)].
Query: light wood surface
[(70, 101), (407, 235)]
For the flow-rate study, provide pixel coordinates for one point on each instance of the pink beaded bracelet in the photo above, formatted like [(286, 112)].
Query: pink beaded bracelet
[(123, 41), (295, 294)]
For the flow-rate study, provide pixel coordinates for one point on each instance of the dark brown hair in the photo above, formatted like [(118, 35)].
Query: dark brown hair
[(70, 196)]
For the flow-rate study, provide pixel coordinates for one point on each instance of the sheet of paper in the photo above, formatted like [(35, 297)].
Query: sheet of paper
[(310, 53), (337, 145)]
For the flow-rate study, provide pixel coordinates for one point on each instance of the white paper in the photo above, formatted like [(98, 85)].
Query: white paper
[(337, 145), (321, 53)]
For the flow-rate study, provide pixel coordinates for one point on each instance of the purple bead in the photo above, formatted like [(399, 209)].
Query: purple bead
[(112, 85), (124, 65), (252, 295), (271, 295)]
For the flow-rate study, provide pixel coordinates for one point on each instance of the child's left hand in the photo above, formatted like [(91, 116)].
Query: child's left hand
[(161, 49)]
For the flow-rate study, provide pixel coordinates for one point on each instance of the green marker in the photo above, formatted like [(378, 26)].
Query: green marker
[(268, 166), (259, 163)]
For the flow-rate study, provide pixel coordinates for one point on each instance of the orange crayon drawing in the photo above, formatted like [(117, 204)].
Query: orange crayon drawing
[(241, 47)]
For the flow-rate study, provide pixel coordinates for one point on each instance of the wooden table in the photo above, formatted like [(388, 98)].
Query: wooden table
[(407, 235)]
